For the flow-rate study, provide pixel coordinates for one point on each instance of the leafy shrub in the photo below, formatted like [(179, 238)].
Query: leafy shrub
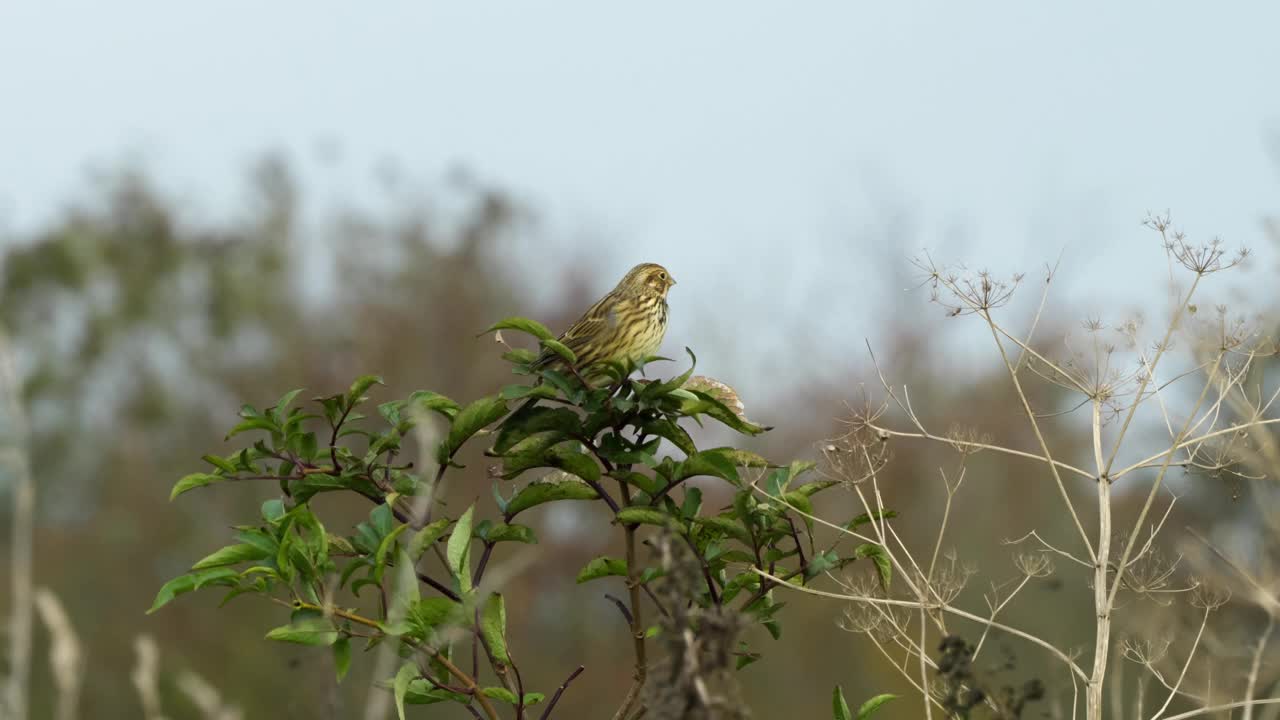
[(414, 578)]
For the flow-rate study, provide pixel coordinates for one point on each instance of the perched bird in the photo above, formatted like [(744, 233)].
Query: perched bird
[(626, 324)]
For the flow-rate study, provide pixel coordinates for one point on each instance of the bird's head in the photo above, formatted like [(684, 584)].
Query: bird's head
[(648, 278)]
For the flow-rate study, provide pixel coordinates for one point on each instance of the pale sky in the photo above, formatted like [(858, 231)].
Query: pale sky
[(769, 153)]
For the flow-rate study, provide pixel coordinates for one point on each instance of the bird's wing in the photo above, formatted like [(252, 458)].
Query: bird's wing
[(597, 320)]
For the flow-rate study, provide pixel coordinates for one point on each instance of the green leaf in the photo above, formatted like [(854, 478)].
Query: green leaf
[(644, 482), (839, 708), (574, 463), (309, 631), (342, 656), (533, 698), (746, 458), (821, 563), (745, 659), (520, 356), (286, 400), (665, 428), (253, 423), (472, 419), (273, 510), (502, 532), (259, 539), (569, 388), (802, 505), (493, 627), (644, 516), (422, 692), (727, 525), (532, 420), (517, 392), (529, 453), (715, 462), (780, 479), (358, 388), (459, 550), (193, 581), (656, 390), (226, 466), (865, 518), (880, 558), (424, 538), (380, 557), (381, 519), (404, 676), (435, 402), (692, 503), (602, 567), (425, 616), (231, 555), (499, 693), (560, 349), (704, 404), (192, 481), (524, 325), (537, 493), (314, 483), (815, 487), (869, 707)]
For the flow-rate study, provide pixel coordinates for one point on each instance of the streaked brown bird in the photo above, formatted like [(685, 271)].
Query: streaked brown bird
[(626, 324)]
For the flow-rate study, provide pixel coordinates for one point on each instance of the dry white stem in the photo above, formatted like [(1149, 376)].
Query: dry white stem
[(1195, 645), (1150, 461), (1025, 348), (924, 667), (1161, 348), (145, 677), (1197, 442), (995, 610), (949, 609), (1155, 489), (1155, 530), (1035, 319), (1211, 415), (1050, 548), (982, 446), (1155, 672), (13, 452), (924, 592), (1251, 683), (378, 702), (1223, 708), (925, 695), (1101, 604), (206, 697), (1044, 445), (946, 516), (1263, 596), (66, 656)]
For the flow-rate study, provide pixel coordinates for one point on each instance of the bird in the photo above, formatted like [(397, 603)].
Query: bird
[(627, 324)]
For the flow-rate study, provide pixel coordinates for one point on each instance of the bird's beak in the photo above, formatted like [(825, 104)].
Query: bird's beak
[(673, 280)]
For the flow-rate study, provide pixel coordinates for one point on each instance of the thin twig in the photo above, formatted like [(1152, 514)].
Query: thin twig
[(546, 714), (1052, 649)]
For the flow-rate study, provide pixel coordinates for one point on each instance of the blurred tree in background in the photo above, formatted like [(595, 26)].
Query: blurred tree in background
[(132, 331)]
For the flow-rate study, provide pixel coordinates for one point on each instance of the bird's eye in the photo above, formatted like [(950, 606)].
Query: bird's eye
[(662, 276)]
